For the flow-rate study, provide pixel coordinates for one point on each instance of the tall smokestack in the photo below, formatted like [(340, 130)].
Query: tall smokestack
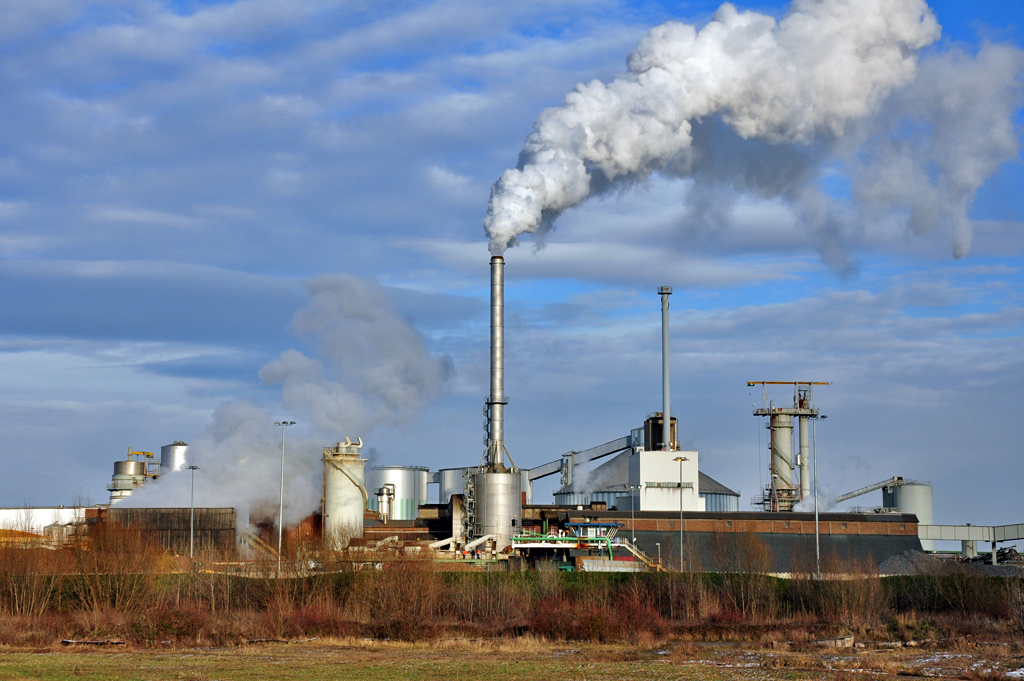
[(496, 401), (666, 415)]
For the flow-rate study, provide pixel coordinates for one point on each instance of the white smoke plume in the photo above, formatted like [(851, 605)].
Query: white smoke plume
[(748, 105), (239, 460), (379, 370), (375, 370)]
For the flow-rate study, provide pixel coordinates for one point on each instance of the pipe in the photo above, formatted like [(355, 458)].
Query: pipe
[(480, 540), (666, 414), (805, 465), (496, 401)]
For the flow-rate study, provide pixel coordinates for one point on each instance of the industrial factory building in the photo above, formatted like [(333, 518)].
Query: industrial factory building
[(637, 502)]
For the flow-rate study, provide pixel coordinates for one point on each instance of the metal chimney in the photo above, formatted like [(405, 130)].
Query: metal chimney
[(497, 400), (666, 418)]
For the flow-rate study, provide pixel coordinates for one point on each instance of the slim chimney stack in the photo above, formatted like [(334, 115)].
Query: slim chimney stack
[(666, 416), (497, 400)]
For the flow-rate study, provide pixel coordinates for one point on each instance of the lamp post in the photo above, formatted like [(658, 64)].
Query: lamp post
[(658, 544), (280, 514), (192, 515), (680, 459), (814, 452)]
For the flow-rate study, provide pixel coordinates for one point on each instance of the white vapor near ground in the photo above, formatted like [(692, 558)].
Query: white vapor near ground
[(833, 94), (376, 370)]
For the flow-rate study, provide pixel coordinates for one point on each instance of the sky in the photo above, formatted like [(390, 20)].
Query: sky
[(217, 215)]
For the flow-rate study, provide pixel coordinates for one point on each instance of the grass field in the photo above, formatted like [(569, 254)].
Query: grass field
[(527, 659)]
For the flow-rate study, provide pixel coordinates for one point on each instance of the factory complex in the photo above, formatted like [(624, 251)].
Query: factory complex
[(636, 503)]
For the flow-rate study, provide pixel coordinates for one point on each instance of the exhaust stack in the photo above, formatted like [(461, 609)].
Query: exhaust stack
[(497, 400), (666, 397)]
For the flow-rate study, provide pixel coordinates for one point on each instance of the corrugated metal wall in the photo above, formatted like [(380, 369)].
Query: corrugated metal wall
[(720, 502)]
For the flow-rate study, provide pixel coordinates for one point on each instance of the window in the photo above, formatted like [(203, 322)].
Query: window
[(787, 523), (670, 485), (728, 523), (844, 525)]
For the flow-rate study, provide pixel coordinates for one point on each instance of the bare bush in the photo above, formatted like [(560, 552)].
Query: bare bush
[(1015, 605), (116, 569)]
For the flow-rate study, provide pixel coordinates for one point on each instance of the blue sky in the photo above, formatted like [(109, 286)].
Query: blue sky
[(171, 173)]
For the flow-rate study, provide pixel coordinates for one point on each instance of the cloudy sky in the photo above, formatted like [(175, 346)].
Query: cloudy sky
[(214, 215)]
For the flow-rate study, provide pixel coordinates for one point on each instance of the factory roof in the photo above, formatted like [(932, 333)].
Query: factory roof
[(613, 475), (709, 485)]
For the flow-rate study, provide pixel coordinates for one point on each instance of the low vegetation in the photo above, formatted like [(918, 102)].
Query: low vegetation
[(120, 588)]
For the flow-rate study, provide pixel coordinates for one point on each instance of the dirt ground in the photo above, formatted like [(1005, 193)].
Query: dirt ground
[(527, 659)]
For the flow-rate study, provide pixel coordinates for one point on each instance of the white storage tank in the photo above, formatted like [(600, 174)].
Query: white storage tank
[(450, 481), (345, 495), (912, 497), (410, 488), (172, 456)]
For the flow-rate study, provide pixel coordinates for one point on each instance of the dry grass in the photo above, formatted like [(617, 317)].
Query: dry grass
[(527, 658)]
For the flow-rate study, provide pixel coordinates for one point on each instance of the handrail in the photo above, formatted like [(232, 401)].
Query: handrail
[(636, 551)]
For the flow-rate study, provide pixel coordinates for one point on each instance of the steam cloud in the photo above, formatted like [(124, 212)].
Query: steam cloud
[(748, 105), (380, 369), (377, 371)]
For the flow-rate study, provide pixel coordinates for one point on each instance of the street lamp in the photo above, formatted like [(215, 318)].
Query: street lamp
[(192, 518), (814, 452), (680, 459), (280, 513), (658, 544)]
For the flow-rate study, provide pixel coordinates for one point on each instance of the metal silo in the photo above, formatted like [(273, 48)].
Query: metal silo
[(782, 459), (912, 497), (410, 488), (451, 481), (128, 475), (345, 494), (172, 456), (499, 509)]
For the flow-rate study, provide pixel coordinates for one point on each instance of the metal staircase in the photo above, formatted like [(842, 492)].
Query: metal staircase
[(651, 563)]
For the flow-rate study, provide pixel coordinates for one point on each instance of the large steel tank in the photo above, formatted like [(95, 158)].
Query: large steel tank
[(345, 495), (912, 497), (499, 506), (410, 488), (172, 456), (128, 475), (451, 481), (782, 459)]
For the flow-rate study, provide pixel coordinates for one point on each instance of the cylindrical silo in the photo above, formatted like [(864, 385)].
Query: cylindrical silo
[(410, 488), (172, 456), (452, 481), (499, 509), (127, 476), (915, 498), (782, 449), (345, 494)]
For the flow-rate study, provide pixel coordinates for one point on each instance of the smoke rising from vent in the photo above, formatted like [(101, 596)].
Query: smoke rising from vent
[(375, 369), (748, 105)]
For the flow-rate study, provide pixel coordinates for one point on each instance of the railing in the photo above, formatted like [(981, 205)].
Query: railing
[(636, 551)]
